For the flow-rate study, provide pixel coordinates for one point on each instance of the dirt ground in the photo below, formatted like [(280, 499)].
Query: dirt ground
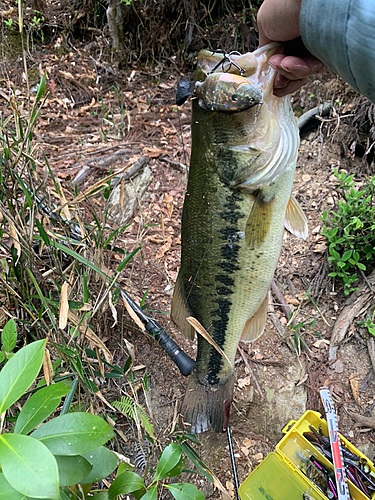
[(94, 110)]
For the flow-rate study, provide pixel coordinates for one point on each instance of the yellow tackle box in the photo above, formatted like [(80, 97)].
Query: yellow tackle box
[(278, 476)]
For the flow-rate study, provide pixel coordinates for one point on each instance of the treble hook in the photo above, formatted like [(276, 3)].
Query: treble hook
[(226, 57)]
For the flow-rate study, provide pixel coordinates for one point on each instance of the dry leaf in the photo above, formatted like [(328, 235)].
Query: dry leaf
[(130, 348), (321, 343), (90, 335), (64, 306), (47, 367), (245, 451), (202, 331), (230, 487), (14, 236), (165, 248), (133, 315), (353, 379), (242, 382), (113, 309), (247, 442), (168, 200)]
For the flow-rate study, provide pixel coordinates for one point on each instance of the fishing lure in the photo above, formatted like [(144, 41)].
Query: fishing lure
[(223, 92)]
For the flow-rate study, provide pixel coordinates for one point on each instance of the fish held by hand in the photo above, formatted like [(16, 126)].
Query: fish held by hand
[(237, 202)]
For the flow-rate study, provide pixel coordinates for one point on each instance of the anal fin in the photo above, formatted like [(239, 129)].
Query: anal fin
[(295, 219), (180, 309), (254, 326), (259, 221)]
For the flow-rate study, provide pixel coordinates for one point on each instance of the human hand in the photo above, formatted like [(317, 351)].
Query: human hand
[(278, 21)]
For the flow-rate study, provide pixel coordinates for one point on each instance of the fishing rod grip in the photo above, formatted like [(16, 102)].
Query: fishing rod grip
[(184, 362)]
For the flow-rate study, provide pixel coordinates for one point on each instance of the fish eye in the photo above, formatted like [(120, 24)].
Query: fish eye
[(234, 97)]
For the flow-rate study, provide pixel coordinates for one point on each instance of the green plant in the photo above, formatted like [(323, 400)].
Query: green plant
[(8, 340), (350, 231), (171, 463), (67, 450)]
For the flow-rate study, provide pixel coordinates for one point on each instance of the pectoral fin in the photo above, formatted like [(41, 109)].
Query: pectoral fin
[(259, 221), (295, 219), (180, 309), (254, 327)]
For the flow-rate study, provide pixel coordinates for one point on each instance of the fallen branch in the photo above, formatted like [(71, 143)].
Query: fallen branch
[(357, 301), (361, 421)]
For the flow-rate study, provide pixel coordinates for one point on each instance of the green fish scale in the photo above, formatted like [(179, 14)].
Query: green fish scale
[(210, 252)]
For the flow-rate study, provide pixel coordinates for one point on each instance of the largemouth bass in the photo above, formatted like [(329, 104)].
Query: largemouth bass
[(237, 201)]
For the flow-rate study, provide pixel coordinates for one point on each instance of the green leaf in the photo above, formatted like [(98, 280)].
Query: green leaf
[(42, 298), (9, 336), (185, 491), (127, 482), (127, 259), (40, 406), (152, 493), (43, 233), (19, 373), (361, 266), (41, 87), (178, 469), (168, 460), (72, 469), (100, 496), (2, 356), (29, 466), (347, 255), (196, 460), (103, 462), (74, 433), (7, 492)]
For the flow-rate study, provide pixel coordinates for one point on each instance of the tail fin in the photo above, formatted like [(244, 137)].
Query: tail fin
[(185, 88), (207, 406)]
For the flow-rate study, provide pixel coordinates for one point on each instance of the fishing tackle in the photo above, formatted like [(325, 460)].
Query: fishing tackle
[(222, 92), (227, 57)]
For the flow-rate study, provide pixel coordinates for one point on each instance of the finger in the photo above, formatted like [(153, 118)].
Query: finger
[(295, 68), (289, 88)]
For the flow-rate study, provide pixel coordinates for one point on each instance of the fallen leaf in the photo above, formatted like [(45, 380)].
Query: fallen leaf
[(47, 367), (245, 451), (247, 442), (353, 379), (130, 348), (168, 200), (243, 382), (320, 343), (165, 248), (64, 306)]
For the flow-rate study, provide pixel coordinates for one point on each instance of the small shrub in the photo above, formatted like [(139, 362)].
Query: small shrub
[(350, 231)]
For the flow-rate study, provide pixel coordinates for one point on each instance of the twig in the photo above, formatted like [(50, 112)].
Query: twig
[(322, 110), (250, 371), (360, 420), (175, 164), (371, 351)]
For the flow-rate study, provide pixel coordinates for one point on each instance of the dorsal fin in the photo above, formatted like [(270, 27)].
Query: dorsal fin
[(254, 326), (295, 219), (180, 309)]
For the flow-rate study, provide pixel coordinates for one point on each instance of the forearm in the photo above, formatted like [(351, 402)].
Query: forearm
[(341, 33)]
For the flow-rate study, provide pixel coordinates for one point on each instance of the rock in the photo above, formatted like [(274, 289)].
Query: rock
[(133, 191)]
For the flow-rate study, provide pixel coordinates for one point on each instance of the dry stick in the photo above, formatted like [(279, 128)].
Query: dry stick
[(371, 351), (283, 303), (250, 371), (354, 305)]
